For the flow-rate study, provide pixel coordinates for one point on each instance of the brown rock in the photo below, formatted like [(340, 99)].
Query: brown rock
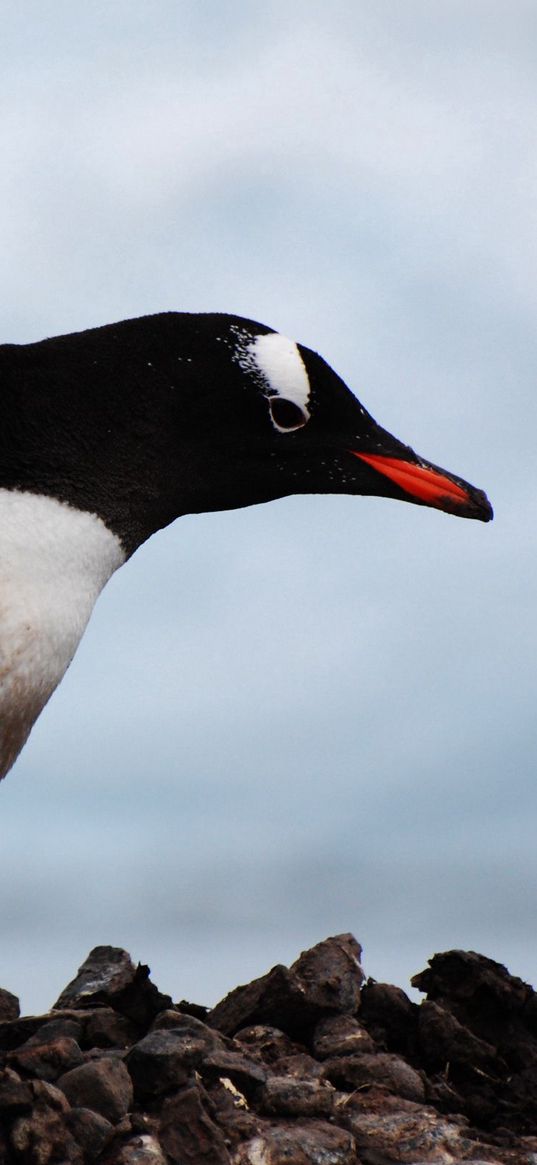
[(69, 1025), (443, 1040), (266, 1043), (246, 1075), (331, 973), (90, 1130), (384, 1068), (15, 1032), (311, 1142), (47, 1061), (325, 979), (9, 1005), (140, 1150), (187, 1133), (106, 1028), (388, 1129), (163, 1061), (15, 1094), (190, 1034), (231, 1111), (41, 1136), (290, 1096), (300, 1065), (494, 1005), (104, 1086), (109, 977), (389, 1016), (340, 1035)]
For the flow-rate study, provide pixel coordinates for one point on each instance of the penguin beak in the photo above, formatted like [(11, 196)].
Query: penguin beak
[(430, 486)]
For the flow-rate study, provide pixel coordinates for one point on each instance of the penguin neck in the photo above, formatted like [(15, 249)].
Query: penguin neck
[(54, 561)]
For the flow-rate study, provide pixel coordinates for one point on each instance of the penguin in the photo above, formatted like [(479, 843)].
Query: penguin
[(112, 433)]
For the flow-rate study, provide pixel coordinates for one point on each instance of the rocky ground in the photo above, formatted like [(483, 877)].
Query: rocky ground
[(309, 1065)]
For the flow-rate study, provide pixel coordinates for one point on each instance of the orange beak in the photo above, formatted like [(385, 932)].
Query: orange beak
[(431, 486)]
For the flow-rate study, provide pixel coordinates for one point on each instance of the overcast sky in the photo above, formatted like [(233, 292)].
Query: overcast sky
[(316, 715)]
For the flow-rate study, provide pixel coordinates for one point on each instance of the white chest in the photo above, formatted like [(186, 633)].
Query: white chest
[(54, 561)]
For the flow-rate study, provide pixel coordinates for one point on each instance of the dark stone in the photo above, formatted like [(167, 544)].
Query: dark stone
[(164, 1059), (245, 1074), (388, 1129), (47, 1061), (190, 1034), (15, 1032), (331, 973), (142, 1149), (108, 977), (49, 1096), (9, 1005), (188, 1134), (300, 1065), (231, 1111), (195, 1009), (384, 1068), (15, 1094), (389, 1016), (311, 1142), (443, 1040), (289, 1096), (70, 1026), (496, 1006), (267, 1044), (41, 1136), (90, 1130), (325, 979), (340, 1035), (106, 1028), (162, 1062), (104, 1086)]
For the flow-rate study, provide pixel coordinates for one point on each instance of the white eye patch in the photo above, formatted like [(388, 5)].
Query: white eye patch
[(278, 363)]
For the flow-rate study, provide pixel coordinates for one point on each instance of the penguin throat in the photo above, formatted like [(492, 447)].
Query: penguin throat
[(54, 561)]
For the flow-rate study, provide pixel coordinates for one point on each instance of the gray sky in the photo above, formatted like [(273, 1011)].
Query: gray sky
[(316, 715)]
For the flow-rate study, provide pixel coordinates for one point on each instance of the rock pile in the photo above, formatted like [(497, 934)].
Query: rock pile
[(308, 1065)]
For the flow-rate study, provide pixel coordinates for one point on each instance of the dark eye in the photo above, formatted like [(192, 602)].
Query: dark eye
[(286, 415)]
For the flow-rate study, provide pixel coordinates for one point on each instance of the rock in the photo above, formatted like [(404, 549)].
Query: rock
[(157, 1063), (389, 1016), (322, 1070), (325, 979), (390, 1130), (104, 1086), (340, 1035), (41, 1136), (106, 1028), (140, 1150), (16, 1095), (108, 976), (9, 1005), (331, 973), (69, 1025), (193, 1037), (245, 1074), (384, 1068), (267, 1044), (187, 1133), (443, 1040), (47, 1061), (90, 1130), (494, 1005), (290, 1096), (300, 1065), (309, 1142)]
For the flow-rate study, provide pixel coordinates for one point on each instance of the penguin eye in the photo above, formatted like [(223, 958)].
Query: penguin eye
[(286, 415)]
